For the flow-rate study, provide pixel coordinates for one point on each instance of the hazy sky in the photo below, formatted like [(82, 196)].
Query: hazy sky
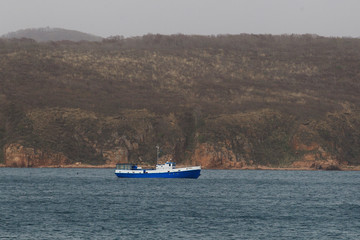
[(205, 17)]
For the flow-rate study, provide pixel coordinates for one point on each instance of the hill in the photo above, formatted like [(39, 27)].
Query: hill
[(52, 34), (229, 101)]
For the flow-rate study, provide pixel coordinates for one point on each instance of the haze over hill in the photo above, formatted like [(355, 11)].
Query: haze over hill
[(52, 34), (230, 101), (204, 17)]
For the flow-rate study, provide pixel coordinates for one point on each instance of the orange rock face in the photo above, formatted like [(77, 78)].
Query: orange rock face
[(316, 158), (208, 157), (17, 155)]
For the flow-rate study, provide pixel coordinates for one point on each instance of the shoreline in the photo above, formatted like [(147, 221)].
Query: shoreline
[(111, 166)]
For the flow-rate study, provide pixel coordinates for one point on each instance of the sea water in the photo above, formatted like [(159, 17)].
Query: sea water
[(222, 204)]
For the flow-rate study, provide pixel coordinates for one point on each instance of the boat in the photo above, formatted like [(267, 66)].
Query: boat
[(166, 170)]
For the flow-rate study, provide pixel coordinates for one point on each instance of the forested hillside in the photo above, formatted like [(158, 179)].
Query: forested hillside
[(228, 101)]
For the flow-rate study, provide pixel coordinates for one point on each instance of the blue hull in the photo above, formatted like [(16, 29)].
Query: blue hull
[(182, 174)]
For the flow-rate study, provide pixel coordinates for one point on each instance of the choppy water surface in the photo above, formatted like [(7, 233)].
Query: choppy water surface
[(221, 204)]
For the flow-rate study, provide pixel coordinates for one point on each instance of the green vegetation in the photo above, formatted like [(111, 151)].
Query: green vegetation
[(251, 94)]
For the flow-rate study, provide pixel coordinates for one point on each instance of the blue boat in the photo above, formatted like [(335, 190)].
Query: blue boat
[(167, 170)]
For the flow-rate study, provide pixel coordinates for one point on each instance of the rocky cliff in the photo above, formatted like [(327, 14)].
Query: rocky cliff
[(248, 140)]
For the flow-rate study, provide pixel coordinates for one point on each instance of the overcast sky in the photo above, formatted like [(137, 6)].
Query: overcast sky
[(205, 17)]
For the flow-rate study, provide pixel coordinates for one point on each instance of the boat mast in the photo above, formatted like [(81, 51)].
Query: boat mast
[(157, 154)]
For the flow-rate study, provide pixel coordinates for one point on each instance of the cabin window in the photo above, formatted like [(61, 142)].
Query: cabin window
[(124, 166)]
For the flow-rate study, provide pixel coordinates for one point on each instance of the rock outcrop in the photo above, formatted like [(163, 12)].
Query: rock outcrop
[(117, 155), (17, 155), (209, 157), (317, 158)]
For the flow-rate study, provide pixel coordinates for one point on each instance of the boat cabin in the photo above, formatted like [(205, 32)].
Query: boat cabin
[(166, 166)]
